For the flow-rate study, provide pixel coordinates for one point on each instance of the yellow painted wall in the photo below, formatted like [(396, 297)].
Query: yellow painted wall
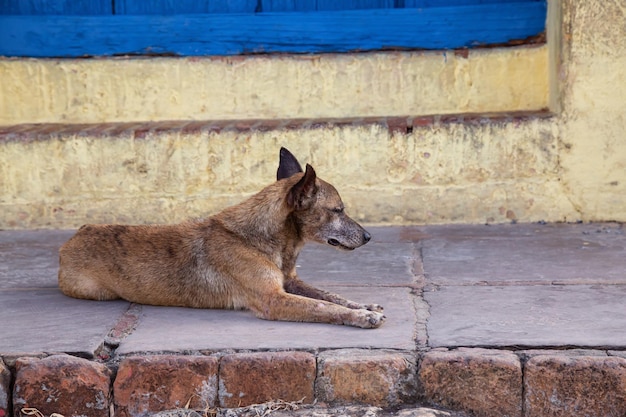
[(272, 86), (570, 166)]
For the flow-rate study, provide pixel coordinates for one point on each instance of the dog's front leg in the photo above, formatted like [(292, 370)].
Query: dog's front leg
[(291, 307), (294, 285)]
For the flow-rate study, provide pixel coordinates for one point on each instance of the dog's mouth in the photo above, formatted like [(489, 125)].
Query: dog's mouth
[(337, 244)]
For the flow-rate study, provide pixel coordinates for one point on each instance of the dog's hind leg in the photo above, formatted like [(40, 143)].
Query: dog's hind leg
[(82, 286), (294, 285)]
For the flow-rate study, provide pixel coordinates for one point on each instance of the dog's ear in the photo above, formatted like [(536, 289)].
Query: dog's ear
[(288, 165), (303, 194)]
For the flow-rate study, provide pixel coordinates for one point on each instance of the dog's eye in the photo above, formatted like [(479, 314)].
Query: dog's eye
[(337, 210)]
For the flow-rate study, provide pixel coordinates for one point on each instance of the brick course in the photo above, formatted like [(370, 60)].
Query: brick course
[(62, 384), (5, 389), (147, 384), (486, 383), (481, 382), (252, 378), (559, 385), (380, 378)]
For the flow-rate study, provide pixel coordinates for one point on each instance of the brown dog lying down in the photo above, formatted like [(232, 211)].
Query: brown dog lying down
[(242, 257)]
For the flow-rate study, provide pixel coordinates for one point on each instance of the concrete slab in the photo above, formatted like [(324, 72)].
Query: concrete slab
[(514, 231), (30, 259), (493, 287), (45, 320), (36, 316), (523, 254), (372, 264), (397, 234), (539, 316), (180, 329)]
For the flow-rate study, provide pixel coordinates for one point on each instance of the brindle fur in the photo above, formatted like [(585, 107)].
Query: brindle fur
[(243, 257)]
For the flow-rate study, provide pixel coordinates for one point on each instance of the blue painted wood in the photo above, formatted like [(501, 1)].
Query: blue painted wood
[(56, 7), (454, 3), (288, 5), (354, 4), (170, 7), (295, 32), (318, 5)]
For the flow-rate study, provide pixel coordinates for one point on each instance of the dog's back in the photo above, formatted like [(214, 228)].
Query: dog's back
[(192, 264)]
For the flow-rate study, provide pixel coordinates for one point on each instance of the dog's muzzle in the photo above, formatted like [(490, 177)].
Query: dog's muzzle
[(334, 242)]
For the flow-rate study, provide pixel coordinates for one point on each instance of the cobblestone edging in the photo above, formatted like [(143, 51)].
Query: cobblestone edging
[(482, 382)]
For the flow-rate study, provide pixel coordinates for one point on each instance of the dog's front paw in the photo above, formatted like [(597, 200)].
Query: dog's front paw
[(370, 319), (374, 307)]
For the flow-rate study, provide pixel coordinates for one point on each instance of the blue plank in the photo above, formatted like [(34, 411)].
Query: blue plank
[(288, 5), (56, 7), (305, 32), (318, 5), (311, 5), (454, 3), (170, 7), (354, 4)]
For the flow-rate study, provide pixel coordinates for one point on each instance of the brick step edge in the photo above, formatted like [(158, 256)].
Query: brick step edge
[(481, 382), (396, 124)]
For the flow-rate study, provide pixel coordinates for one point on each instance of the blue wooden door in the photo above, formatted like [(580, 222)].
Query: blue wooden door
[(78, 28)]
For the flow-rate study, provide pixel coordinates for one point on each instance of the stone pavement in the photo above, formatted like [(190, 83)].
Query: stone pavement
[(515, 320)]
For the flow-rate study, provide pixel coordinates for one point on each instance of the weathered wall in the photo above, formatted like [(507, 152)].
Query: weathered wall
[(567, 167), (439, 173), (593, 123)]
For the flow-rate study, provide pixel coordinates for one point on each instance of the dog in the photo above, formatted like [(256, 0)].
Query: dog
[(244, 257)]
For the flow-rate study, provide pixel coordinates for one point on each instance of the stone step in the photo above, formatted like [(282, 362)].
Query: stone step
[(63, 175)]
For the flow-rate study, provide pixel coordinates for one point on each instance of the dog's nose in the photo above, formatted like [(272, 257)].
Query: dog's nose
[(366, 236)]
